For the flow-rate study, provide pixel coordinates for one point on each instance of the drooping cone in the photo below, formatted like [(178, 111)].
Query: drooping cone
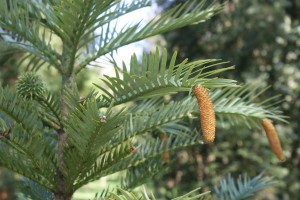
[(207, 113), (274, 141)]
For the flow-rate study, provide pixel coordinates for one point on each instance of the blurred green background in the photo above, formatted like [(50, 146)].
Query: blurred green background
[(262, 39)]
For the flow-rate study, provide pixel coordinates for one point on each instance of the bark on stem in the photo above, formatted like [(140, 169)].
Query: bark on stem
[(62, 196), (63, 192)]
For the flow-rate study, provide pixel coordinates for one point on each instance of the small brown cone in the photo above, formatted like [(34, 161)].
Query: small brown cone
[(207, 113), (274, 141), (165, 156)]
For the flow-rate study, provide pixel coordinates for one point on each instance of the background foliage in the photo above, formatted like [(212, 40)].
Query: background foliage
[(261, 38)]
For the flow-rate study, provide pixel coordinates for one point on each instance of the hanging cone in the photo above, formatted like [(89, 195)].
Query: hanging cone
[(274, 141), (207, 113)]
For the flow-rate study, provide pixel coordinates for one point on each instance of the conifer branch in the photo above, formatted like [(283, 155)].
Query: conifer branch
[(180, 16)]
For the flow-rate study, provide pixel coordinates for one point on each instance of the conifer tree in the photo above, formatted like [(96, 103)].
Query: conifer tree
[(59, 143)]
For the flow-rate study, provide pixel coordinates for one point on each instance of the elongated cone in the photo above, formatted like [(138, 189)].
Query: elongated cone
[(165, 156), (207, 113), (274, 141)]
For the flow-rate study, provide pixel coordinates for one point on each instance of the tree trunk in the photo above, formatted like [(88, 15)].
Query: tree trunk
[(62, 173), (63, 192), (61, 196)]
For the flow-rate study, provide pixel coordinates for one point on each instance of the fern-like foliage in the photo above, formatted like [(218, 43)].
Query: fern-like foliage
[(111, 39), (88, 29), (229, 189), (20, 111), (239, 106), (24, 145), (236, 109), (155, 77), (138, 175), (22, 19), (242, 188), (50, 110), (122, 194), (32, 190)]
